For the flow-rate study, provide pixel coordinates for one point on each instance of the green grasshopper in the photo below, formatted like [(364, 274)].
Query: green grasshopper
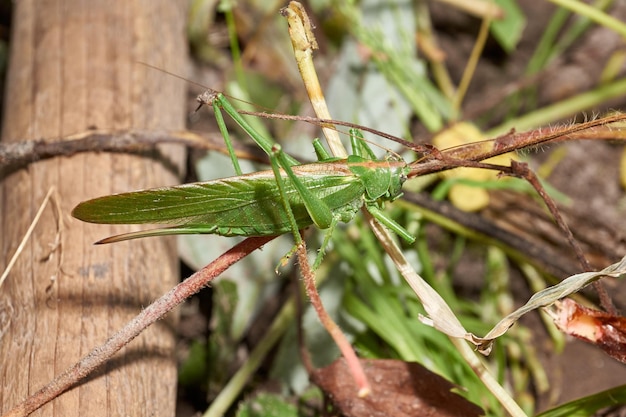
[(288, 198)]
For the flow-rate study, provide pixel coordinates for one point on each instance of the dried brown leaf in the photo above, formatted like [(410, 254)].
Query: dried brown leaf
[(604, 330), (398, 389)]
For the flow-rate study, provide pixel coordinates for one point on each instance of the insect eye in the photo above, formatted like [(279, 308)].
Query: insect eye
[(392, 157)]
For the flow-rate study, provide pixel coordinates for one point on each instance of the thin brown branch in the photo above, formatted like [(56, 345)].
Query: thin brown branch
[(510, 142), (21, 153), (546, 258), (521, 170), (598, 129), (305, 355), (329, 324), (151, 314)]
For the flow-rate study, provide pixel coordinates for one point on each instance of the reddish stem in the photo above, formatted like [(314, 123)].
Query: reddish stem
[(71, 376), (333, 329)]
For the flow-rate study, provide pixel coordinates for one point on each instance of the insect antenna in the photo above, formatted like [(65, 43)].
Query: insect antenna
[(420, 148), (171, 74)]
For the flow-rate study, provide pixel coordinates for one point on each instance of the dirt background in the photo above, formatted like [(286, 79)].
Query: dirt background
[(588, 173)]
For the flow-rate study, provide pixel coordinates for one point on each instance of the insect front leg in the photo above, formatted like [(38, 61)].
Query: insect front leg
[(229, 144), (212, 98), (322, 250), (319, 211), (218, 101)]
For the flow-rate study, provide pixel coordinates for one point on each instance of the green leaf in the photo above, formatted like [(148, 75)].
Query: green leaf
[(588, 406), (508, 31), (194, 370), (267, 405)]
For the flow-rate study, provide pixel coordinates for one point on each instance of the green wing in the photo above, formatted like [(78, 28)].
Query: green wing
[(247, 205)]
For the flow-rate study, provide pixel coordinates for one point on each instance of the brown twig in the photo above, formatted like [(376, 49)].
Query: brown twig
[(305, 355), (597, 129), (521, 170), (329, 324), (490, 232), (22, 153), (151, 314)]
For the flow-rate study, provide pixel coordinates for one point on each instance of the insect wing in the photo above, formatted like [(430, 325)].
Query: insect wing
[(247, 205)]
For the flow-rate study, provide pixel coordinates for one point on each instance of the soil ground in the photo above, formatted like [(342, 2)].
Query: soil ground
[(588, 173)]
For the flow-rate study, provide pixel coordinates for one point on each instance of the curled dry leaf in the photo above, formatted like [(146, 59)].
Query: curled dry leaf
[(547, 297), (441, 317), (399, 389), (604, 330)]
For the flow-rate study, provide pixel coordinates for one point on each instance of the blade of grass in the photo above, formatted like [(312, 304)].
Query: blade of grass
[(588, 406), (594, 14)]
